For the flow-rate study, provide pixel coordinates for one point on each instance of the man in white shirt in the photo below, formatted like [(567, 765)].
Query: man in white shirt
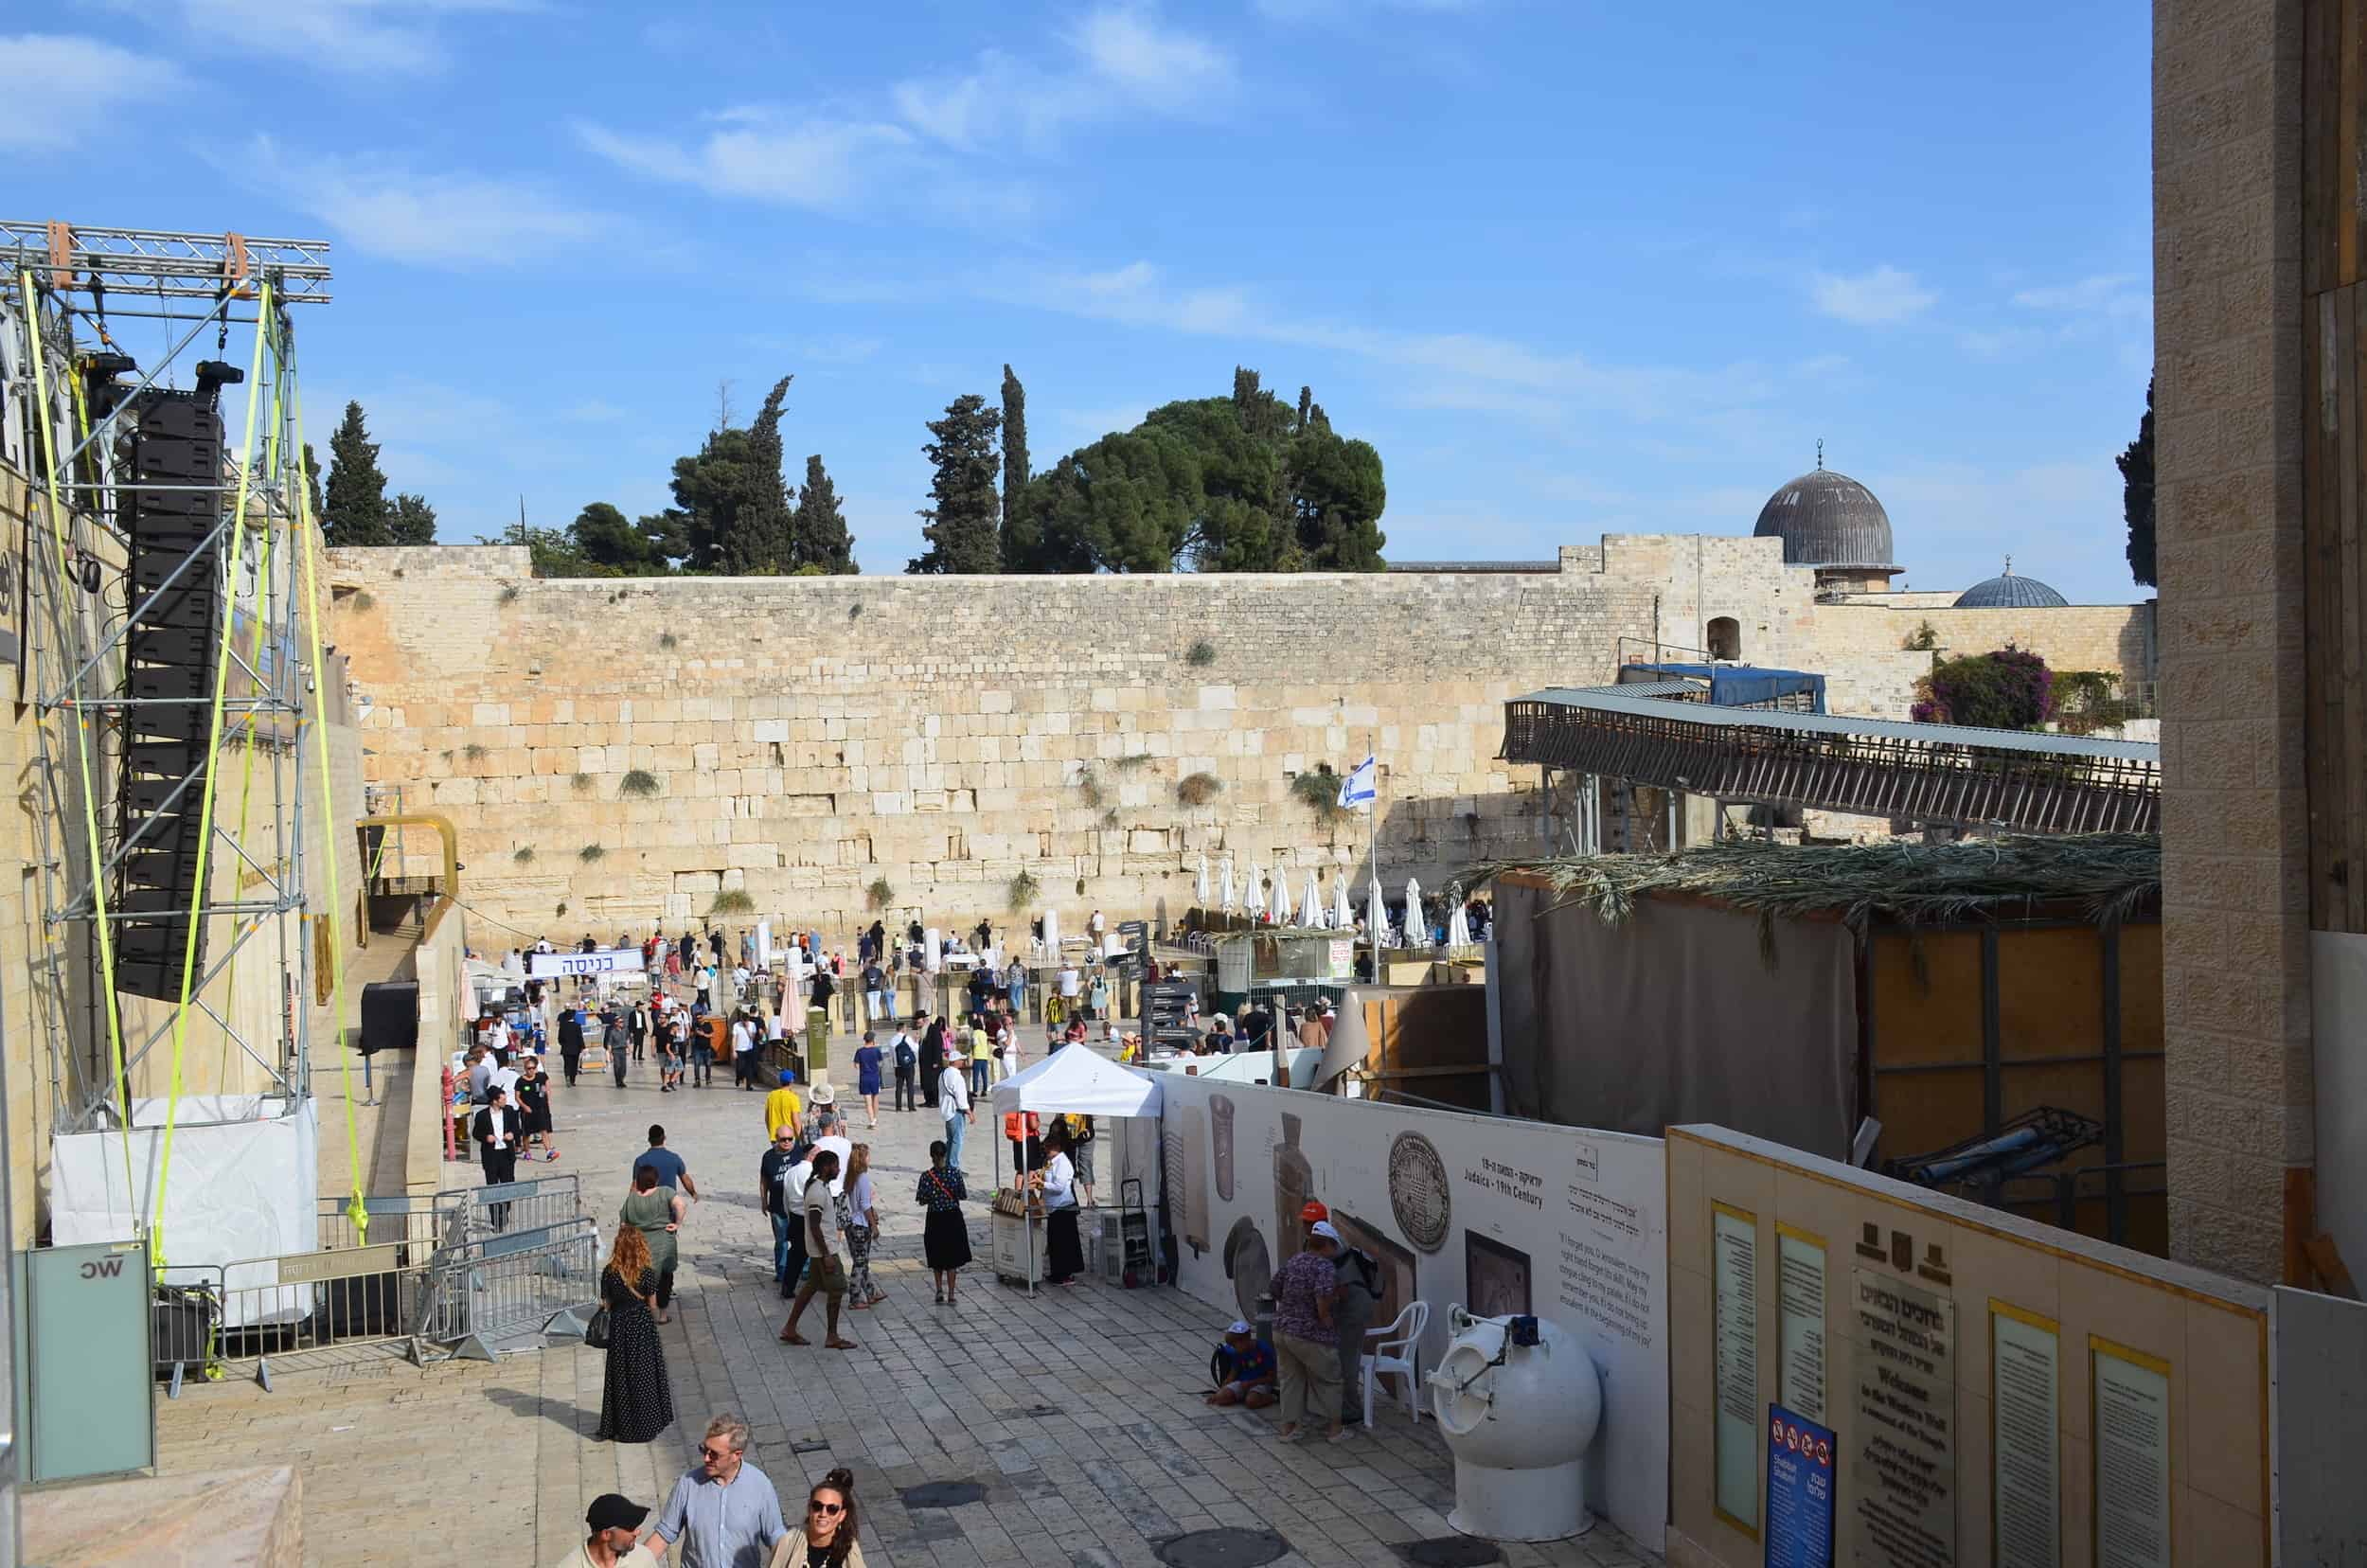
[(954, 1100), (826, 1266), (744, 1053)]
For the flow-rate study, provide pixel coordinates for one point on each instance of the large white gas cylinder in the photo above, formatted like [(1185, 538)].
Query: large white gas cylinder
[(1519, 1401)]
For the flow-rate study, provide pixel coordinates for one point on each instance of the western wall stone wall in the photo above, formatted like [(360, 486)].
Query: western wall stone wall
[(808, 737)]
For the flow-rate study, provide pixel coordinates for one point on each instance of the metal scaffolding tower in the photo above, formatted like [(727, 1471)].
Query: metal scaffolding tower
[(223, 297)]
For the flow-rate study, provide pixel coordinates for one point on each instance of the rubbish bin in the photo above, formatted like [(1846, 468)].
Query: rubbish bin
[(817, 1042)]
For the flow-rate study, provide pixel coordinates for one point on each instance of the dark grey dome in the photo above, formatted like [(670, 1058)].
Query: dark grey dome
[(1828, 519), (2009, 591)]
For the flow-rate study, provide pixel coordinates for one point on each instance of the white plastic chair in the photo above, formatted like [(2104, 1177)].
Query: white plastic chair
[(1397, 1351)]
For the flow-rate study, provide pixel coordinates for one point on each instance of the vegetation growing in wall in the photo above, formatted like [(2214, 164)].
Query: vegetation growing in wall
[(473, 752), (590, 852), (732, 901), (1130, 762), (1200, 654), (523, 854), (2090, 700), (639, 783), (1924, 638), (1021, 891), (2011, 688), (582, 782), (881, 893), (1199, 788), (562, 908), (508, 596), (669, 641), (1319, 790), (1089, 787)]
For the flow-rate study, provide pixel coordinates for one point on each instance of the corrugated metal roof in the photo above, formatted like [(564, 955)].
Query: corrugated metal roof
[(1696, 690), (1624, 700)]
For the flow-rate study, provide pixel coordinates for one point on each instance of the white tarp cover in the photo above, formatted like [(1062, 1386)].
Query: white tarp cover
[(245, 1181), (1074, 1081)]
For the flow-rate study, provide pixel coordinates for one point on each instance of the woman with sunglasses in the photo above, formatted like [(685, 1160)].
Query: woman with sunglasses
[(828, 1537)]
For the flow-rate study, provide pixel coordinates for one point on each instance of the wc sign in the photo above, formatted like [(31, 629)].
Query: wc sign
[(1799, 1491), (102, 1268)]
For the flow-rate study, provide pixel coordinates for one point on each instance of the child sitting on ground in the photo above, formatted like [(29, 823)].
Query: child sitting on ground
[(1243, 1369)]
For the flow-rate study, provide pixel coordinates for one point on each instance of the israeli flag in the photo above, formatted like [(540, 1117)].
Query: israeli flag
[(1359, 788)]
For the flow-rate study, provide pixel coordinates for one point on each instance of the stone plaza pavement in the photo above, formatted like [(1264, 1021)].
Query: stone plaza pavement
[(1078, 1410)]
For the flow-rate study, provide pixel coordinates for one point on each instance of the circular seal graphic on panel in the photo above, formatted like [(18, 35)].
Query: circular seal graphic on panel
[(1417, 1191)]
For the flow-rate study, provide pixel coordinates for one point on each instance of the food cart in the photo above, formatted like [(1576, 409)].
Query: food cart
[(1071, 1082)]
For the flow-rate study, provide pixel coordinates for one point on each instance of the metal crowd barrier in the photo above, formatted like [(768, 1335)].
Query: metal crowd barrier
[(424, 1221), (210, 1316), (536, 1203), (493, 1292)]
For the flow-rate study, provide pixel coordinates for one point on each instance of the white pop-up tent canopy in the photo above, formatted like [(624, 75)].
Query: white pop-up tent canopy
[(1074, 1081)]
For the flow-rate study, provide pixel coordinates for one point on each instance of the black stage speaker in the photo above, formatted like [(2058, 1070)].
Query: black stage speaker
[(175, 443)]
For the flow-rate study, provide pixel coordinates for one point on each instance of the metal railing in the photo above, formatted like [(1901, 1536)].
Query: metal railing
[(494, 1293), (259, 1310), (536, 1203)]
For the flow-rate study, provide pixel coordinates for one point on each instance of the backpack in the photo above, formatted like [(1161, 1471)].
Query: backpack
[(905, 1060), (1367, 1273)]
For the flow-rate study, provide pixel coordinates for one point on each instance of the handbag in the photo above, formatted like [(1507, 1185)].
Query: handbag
[(596, 1332)]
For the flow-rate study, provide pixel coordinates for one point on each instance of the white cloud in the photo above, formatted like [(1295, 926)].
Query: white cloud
[(359, 36), (2107, 294), (1468, 370), (381, 207), (61, 87), (1881, 298), (1119, 60), (762, 154)]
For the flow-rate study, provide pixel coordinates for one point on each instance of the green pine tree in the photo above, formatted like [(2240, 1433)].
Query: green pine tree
[(355, 509), (818, 531), (410, 521), (754, 533), (2137, 497), (963, 521)]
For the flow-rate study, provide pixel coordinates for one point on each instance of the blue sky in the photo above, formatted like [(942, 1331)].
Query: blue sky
[(1574, 268)]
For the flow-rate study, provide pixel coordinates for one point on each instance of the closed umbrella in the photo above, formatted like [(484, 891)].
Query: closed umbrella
[(1377, 911), (1417, 926), (1230, 898), (1052, 933), (1200, 885), (1280, 912), (1312, 906), (1458, 928), (1342, 917), (1253, 896)]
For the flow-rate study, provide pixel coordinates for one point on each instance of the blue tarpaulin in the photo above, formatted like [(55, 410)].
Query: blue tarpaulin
[(1741, 685)]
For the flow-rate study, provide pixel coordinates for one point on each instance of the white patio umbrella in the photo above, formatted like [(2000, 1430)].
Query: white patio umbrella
[(1230, 898), (1280, 909), (1458, 928), (1416, 925), (1052, 933), (1377, 911), (1253, 896), (1342, 917), (1200, 884), (1311, 905)]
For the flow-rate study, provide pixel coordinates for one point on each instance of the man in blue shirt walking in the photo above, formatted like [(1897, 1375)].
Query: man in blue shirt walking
[(724, 1511)]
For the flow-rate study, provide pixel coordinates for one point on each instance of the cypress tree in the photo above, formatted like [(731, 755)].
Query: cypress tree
[(818, 536), (353, 509), (1015, 532), (753, 532), (962, 522)]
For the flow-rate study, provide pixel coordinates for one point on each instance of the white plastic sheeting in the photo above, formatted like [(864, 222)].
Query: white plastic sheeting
[(245, 1183)]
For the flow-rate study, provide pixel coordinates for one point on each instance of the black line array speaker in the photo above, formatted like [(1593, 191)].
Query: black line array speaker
[(172, 463)]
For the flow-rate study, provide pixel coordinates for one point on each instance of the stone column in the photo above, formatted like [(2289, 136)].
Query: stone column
[(2228, 209)]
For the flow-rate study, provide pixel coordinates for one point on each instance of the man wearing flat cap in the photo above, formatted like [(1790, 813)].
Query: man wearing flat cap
[(615, 1536)]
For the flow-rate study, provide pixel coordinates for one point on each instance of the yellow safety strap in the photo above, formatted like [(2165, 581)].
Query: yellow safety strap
[(81, 724), (308, 549), (213, 771)]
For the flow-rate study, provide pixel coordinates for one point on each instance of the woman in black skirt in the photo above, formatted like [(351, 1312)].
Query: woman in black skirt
[(534, 1100), (1063, 1250), (945, 1235), (636, 1402)]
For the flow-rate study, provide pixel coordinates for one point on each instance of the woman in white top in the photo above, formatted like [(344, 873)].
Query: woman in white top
[(1065, 1254)]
